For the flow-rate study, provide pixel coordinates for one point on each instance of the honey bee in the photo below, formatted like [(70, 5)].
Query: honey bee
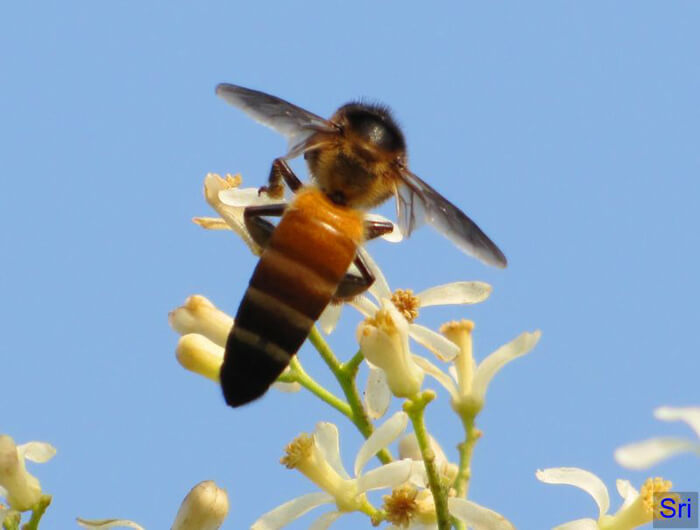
[(357, 160)]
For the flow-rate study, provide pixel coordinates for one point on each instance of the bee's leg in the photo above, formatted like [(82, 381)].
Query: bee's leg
[(353, 285), (374, 229), (280, 171), (260, 229)]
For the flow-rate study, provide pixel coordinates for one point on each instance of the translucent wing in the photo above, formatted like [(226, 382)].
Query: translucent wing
[(295, 123), (417, 202)]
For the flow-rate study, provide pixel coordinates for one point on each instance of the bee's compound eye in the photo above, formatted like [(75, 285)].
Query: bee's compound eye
[(375, 125)]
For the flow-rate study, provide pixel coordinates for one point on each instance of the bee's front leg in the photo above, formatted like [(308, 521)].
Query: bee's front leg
[(280, 171)]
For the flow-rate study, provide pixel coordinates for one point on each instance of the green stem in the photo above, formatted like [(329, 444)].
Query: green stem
[(415, 408), (325, 350), (37, 513), (466, 448), (345, 373), (297, 374)]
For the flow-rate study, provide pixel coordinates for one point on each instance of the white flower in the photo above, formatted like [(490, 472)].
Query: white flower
[(638, 508), (642, 455), (383, 339), (204, 329), (469, 381), (21, 489), (408, 508), (205, 507), (318, 458), (409, 304)]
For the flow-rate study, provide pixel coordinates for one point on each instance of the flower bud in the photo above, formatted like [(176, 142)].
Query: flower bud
[(204, 508)]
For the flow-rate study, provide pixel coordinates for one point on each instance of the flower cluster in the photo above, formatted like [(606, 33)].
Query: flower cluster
[(425, 489)]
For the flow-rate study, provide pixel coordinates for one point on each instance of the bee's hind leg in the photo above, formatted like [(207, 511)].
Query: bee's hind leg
[(261, 229), (353, 285)]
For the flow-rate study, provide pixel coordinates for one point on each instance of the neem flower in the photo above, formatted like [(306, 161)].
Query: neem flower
[(409, 305), (638, 508), (469, 381), (642, 455), (317, 456), (20, 488)]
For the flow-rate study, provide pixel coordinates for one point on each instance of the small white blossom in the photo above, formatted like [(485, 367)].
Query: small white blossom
[(20, 488), (642, 455), (318, 458), (638, 508), (408, 508), (383, 339), (468, 382), (409, 304)]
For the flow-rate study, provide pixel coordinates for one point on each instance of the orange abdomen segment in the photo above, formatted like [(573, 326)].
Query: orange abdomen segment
[(307, 256)]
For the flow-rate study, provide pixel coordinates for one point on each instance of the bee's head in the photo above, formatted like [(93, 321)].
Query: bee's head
[(372, 123)]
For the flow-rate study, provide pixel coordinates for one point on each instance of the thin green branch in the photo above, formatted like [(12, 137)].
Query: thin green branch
[(466, 448), (415, 409), (297, 374), (346, 373), (325, 350)]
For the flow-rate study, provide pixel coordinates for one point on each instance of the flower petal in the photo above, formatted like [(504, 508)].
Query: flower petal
[(291, 510), (377, 393), (287, 388), (441, 377), (380, 288), (498, 359), (627, 492), (690, 415), (107, 523), (387, 476), (443, 348), (477, 516), (364, 305), (213, 185), (580, 478), (642, 455), (211, 223), (244, 197), (323, 522), (394, 236), (389, 431), (578, 524), (329, 318), (327, 441), (455, 293), (39, 452)]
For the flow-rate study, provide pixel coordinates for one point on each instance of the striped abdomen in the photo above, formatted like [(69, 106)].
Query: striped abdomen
[(305, 259)]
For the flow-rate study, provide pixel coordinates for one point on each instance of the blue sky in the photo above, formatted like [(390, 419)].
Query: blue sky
[(567, 130)]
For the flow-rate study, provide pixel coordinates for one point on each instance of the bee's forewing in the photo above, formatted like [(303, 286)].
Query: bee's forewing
[(418, 202), (295, 123)]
